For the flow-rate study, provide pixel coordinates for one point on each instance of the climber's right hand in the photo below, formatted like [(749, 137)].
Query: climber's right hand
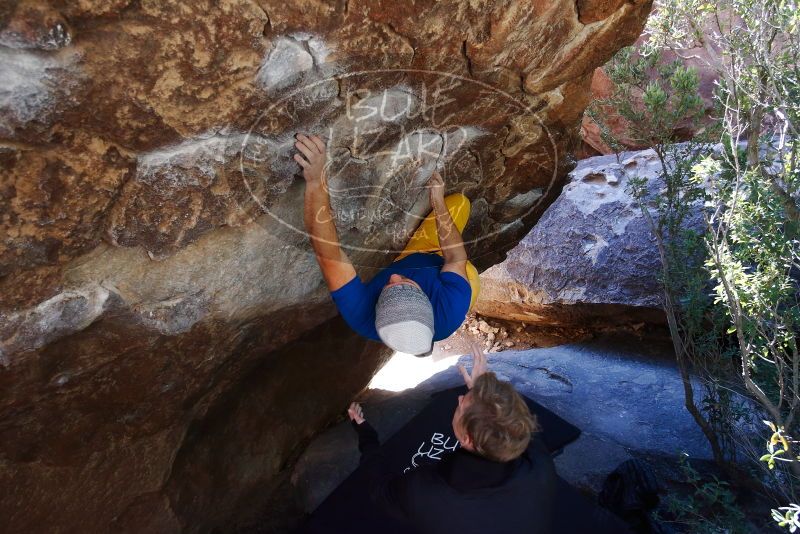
[(311, 158), (436, 187)]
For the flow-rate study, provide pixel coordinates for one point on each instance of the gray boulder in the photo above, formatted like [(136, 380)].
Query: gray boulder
[(590, 260)]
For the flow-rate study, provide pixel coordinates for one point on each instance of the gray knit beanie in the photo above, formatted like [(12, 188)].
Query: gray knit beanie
[(404, 319)]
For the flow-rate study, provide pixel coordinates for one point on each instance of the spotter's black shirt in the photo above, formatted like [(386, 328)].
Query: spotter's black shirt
[(465, 493)]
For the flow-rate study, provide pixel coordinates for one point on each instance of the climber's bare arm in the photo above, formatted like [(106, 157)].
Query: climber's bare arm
[(334, 263), (450, 241)]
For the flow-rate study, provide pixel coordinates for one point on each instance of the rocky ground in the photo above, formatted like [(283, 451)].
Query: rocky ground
[(498, 335)]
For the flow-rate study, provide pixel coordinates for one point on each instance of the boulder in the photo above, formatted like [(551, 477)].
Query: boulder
[(591, 260), (153, 264)]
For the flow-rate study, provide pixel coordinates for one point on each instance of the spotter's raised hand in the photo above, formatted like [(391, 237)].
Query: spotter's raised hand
[(479, 366), (356, 413)]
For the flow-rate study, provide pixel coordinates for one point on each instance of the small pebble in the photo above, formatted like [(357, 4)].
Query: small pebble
[(484, 327)]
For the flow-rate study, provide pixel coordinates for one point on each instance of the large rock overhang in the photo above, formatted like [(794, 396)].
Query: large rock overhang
[(152, 254)]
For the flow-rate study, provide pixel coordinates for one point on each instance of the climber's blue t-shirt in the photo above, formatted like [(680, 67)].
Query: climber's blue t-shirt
[(449, 294)]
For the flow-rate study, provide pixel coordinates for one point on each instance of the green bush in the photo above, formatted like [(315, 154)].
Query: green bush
[(731, 284)]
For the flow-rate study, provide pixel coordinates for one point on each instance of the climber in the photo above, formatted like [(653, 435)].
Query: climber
[(424, 295), (500, 480)]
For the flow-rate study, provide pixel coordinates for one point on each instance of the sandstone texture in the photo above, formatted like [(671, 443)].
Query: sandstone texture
[(590, 260), (167, 344)]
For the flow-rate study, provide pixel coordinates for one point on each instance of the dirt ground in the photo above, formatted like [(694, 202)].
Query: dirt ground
[(497, 335)]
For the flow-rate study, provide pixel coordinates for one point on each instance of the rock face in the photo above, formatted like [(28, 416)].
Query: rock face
[(152, 258), (590, 260)]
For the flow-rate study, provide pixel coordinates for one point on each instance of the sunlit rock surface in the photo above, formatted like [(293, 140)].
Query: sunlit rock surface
[(591, 259), (152, 259)]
